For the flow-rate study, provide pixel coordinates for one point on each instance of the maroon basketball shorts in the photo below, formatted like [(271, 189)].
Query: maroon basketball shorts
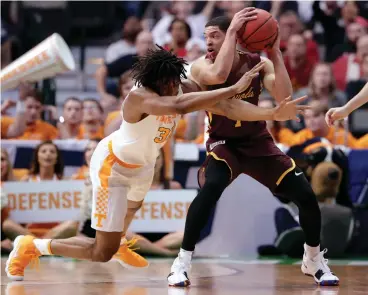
[(259, 158)]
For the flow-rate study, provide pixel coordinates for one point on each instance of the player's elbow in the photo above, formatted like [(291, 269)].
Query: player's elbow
[(181, 109), (220, 77)]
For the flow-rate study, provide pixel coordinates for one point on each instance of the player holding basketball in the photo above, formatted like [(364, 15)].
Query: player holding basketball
[(122, 165), (236, 147), (357, 101)]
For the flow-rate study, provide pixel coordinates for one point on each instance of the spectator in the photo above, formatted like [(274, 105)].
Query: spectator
[(297, 63), (46, 163), (83, 172), (180, 34), (36, 129), (354, 31), (232, 7), (362, 143), (183, 10), (9, 229), (316, 127), (279, 133), (144, 42), (126, 45), (91, 127), (322, 87), (72, 118), (290, 24), (354, 87), (349, 66), (114, 119), (334, 20)]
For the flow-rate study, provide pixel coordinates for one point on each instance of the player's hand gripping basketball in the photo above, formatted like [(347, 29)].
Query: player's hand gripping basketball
[(245, 15), (247, 78), (289, 109), (336, 114)]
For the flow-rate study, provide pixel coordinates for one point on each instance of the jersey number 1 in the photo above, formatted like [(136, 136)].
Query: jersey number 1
[(238, 123)]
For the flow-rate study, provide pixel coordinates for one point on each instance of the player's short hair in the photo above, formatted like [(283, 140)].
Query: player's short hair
[(158, 68), (223, 22)]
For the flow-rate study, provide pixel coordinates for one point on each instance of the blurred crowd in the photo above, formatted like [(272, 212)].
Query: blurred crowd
[(324, 43)]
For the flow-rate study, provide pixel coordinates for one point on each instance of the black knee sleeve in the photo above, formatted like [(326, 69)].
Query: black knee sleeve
[(296, 188), (217, 179)]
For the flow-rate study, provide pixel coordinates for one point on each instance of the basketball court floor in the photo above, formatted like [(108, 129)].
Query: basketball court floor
[(56, 276)]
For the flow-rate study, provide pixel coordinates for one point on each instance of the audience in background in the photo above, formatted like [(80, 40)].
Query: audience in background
[(316, 126), (91, 126), (72, 118), (354, 31), (35, 127), (144, 42), (290, 24), (322, 87), (114, 119), (297, 62), (83, 172), (126, 45), (180, 33), (348, 67)]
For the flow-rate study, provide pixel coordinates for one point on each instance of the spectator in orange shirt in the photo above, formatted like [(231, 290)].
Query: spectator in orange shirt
[(36, 128), (279, 133), (72, 115), (297, 63), (83, 172), (316, 126), (92, 120)]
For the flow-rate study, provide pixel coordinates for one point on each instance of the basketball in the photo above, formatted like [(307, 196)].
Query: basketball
[(258, 34)]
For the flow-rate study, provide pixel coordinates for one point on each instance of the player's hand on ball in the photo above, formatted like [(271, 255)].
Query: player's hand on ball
[(336, 114), (247, 78), (289, 109), (241, 17)]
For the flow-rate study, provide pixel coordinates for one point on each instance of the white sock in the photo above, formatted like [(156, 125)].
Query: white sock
[(311, 252), (43, 245), (187, 255)]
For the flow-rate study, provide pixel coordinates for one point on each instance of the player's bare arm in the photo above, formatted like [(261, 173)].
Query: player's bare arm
[(357, 101), (276, 78), (142, 101), (211, 73), (239, 110), (236, 109)]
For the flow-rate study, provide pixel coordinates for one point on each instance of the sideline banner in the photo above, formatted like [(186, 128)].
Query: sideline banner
[(57, 201)]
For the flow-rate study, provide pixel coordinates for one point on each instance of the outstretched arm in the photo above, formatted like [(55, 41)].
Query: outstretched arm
[(357, 101), (142, 101), (239, 110), (276, 79), (208, 73)]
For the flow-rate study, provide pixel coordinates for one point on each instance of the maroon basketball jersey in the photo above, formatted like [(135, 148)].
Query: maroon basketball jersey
[(221, 127)]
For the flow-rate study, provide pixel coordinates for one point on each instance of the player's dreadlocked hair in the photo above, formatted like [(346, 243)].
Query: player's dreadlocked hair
[(157, 69)]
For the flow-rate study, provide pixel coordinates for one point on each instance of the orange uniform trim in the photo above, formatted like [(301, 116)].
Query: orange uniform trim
[(120, 162)]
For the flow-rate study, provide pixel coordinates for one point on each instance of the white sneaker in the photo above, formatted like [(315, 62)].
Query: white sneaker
[(318, 269), (179, 273)]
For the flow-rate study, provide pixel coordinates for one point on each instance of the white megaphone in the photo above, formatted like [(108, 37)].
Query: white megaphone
[(49, 58)]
